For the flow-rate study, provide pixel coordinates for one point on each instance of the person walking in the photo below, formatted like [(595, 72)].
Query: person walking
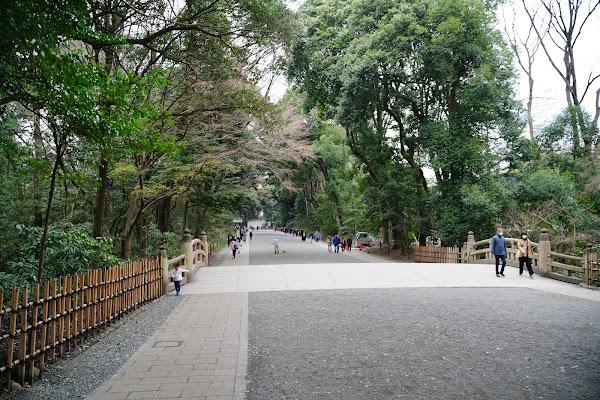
[(349, 241), (336, 243), (329, 244), (250, 235), (177, 276), (525, 254), (499, 250), (233, 246), (275, 244)]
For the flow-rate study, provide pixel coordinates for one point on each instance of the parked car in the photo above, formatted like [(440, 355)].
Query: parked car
[(364, 238)]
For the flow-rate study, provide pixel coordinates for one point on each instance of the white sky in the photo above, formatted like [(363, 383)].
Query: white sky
[(549, 93)]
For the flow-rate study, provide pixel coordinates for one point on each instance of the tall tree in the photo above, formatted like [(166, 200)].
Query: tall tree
[(414, 85), (560, 27)]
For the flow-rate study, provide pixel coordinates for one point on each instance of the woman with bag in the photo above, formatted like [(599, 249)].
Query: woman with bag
[(525, 254)]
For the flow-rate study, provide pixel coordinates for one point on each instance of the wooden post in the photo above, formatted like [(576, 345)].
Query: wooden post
[(12, 334), (82, 306), (44, 337), (587, 264), (544, 253), (188, 250), (469, 247), (23, 336), (33, 336), (162, 258), (204, 239), (53, 320)]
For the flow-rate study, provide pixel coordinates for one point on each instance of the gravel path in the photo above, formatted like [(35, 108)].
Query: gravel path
[(78, 376), (423, 343)]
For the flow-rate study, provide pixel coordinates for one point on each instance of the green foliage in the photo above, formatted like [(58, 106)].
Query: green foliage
[(541, 186), (415, 85), (473, 207), (70, 250)]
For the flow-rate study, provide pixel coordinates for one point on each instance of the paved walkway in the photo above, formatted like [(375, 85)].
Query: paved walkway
[(201, 350)]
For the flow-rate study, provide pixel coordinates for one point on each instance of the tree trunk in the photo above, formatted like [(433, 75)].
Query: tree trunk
[(530, 106), (47, 217), (38, 218), (163, 218), (400, 238), (100, 203), (200, 216), (131, 218), (186, 207)]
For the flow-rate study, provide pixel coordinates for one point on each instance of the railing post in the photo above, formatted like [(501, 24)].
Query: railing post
[(544, 253), (164, 265), (469, 246), (203, 238), (188, 250), (587, 264)]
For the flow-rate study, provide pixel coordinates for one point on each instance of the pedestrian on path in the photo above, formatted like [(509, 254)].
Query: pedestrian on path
[(349, 241), (275, 244), (234, 246), (177, 276), (250, 235), (329, 244), (525, 254), (499, 250), (336, 243)]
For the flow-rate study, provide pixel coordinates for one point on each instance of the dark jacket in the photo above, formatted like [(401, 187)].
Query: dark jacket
[(498, 245)]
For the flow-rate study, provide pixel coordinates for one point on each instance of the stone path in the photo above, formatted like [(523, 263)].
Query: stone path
[(201, 350)]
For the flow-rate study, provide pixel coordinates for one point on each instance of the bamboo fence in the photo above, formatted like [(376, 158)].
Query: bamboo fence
[(437, 254), (38, 327)]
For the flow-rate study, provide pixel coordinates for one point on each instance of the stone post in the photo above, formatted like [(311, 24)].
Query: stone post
[(203, 238), (587, 266), (544, 253), (162, 258), (188, 250), (469, 246)]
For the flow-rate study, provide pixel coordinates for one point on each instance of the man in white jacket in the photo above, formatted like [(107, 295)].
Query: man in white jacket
[(177, 275)]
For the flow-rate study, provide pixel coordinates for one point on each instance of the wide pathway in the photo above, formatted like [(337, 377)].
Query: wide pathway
[(387, 331)]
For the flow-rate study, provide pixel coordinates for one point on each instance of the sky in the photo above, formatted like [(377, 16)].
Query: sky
[(549, 93)]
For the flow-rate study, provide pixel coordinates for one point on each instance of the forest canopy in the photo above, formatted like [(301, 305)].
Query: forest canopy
[(124, 122)]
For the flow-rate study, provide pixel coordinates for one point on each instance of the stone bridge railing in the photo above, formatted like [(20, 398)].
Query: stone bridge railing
[(545, 262), (194, 255)]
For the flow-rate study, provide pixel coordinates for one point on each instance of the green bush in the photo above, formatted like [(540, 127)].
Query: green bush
[(69, 250)]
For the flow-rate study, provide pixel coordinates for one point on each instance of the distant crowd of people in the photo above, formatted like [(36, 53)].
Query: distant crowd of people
[(335, 243)]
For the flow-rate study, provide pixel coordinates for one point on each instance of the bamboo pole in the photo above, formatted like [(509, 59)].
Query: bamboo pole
[(33, 336), (23, 335), (68, 311), (81, 306), (61, 318), (12, 332), (53, 320), (46, 322)]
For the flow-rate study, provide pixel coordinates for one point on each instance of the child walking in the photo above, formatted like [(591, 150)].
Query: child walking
[(177, 275), (234, 246)]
